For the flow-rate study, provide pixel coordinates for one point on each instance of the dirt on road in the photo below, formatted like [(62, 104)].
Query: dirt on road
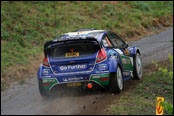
[(25, 99)]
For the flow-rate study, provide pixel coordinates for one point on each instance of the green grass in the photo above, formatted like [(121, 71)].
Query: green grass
[(142, 99), (26, 26)]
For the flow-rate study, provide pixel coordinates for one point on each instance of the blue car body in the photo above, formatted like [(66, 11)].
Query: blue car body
[(85, 69)]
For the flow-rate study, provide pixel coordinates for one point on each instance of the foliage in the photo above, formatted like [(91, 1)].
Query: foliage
[(139, 98), (168, 72), (168, 107)]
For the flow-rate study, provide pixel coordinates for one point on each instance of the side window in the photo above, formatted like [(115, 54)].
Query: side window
[(106, 42), (120, 41), (116, 40)]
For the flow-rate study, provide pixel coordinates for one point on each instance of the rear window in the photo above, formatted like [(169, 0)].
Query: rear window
[(73, 50)]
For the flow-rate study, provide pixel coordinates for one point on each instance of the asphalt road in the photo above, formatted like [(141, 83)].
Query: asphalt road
[(25, 99)]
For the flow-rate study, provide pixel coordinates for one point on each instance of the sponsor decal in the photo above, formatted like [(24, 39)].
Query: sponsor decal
[(66, 79), (124, 61), (72, 67), (104, 79), (112, 54), (102, 66), (159, 108), (101, 79), (45, 81), (91, 68), (50, 80), (49, 83), (126, 73), (86, 78), (113, 57), (106, 71), (45, 71), (46, 76), (129, 61), (119, 51), (101, 72), (96, 77)]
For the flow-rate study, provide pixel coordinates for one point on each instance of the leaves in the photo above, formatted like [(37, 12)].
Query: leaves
[(167, 107)]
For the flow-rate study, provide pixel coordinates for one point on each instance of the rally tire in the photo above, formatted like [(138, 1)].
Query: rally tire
[(137, 68), (42, 91), (116, 81)]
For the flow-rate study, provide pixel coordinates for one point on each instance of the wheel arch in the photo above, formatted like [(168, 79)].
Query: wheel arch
[(138, 51), (135, 50)]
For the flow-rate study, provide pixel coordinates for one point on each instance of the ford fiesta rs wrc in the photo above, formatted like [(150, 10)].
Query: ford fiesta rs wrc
[(88, 58)]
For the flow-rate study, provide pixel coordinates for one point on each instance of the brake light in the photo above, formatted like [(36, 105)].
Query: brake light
[(45, 62), (101, 55)]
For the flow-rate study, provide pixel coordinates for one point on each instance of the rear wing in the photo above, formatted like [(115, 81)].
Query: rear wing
[(50, 44)]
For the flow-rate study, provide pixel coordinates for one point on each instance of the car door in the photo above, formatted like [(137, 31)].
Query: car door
[(119, 46)]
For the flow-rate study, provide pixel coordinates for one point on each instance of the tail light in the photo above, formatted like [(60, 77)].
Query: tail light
[(45, 62), (101, 55)]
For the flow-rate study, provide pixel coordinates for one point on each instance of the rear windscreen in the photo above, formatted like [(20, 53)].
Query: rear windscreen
[(73, 50)]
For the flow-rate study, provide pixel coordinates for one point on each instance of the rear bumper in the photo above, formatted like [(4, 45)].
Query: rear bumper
[(98, 79)]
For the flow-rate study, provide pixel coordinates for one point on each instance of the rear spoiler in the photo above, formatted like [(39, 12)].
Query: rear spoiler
[(50, 44)]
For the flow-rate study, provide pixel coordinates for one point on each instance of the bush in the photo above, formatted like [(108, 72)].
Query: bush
[(169, 73)]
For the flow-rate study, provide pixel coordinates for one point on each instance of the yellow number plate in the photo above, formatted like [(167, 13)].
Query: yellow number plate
[(73, 84), (72, 54)]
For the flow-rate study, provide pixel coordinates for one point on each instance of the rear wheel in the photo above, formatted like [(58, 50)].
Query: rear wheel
[(116, 81), (137, 70), (42, 91)]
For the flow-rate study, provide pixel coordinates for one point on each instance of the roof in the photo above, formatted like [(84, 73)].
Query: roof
[(80, 35), (83, 32), (85, 29)]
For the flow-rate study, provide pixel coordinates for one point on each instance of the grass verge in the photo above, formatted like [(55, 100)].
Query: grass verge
[(142, 99)]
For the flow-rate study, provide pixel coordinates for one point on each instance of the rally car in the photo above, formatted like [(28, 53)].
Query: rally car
[(88, 58)]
